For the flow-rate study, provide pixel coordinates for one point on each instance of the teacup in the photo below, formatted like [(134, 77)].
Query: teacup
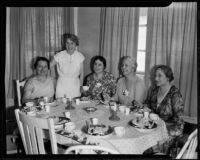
[(47, 108), (42, 104), (64, 100), (67, 115), (95, 121), (69, 127), (119, 131), (77, 101), (127, 111), (122, 108), (47, 99), (85, 88), (114, 107)]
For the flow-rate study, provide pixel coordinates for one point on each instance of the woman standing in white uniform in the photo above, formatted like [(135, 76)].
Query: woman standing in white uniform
[(70, 68)]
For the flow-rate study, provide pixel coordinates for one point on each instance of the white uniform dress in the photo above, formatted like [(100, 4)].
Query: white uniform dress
[(68, 67)]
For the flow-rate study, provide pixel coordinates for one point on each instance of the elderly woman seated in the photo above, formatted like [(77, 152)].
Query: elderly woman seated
[(166, 100), (130, 88), (102, 84), (41, 84)]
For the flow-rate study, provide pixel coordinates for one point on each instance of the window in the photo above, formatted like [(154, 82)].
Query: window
[(141, 51)]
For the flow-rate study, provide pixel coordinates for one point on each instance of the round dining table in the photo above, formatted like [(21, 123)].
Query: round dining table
[(133, 141)]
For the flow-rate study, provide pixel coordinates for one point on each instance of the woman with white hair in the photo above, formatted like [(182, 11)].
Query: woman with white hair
[(130, 87)]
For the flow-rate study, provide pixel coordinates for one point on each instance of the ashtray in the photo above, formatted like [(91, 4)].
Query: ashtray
[(90, 109)]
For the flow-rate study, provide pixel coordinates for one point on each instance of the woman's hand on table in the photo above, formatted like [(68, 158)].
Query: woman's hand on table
[(106, 97), (85, 93), (137, 104)]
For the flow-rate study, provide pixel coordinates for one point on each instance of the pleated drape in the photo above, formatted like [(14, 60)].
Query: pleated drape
[(32, 32), (118, 35), (172, 40)]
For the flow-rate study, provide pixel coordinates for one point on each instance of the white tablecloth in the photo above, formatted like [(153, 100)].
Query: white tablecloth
[(133, 142)]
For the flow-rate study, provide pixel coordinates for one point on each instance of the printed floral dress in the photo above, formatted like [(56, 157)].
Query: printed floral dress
[(170, 110), (106, 85)]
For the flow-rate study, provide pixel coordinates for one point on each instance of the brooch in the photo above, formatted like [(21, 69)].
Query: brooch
[(98, 84), (125, 92)]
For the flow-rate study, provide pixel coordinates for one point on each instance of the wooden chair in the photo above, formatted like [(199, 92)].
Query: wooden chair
[(11, 138), (19, 86), (90, 149), (189, 149), (11, 147), (32, 129), (189, 126)]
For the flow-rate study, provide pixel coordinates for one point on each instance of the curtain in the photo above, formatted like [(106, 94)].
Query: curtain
[(172, 40), (32, 32), (118, 35)]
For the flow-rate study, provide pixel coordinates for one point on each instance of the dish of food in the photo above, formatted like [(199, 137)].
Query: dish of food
[(31, 109), (142, 124), (90, 109), (99, 130), (60, 120)]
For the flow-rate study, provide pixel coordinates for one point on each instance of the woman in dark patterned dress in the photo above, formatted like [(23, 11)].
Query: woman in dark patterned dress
[(102, 85), (166, 100)]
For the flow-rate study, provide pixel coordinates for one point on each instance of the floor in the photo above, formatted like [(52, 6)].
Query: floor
[(11, 146)]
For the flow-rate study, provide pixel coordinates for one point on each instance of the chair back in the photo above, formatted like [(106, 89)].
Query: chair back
[(90, 149), (189, 149), (20, 86), (32, 133), (189, 119)]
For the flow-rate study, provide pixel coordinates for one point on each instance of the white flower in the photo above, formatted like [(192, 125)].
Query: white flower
[(125, 92), (98, 84)]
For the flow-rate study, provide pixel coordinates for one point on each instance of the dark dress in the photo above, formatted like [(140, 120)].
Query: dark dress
[(169, 110)]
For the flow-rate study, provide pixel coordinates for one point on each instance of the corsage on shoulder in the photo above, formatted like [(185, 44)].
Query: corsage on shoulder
[(125, 92), (98, 84)]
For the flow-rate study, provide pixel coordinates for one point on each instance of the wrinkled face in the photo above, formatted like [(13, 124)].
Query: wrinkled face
[(70, 46), (42, 68), (127, 67), (98, 66), (161, 78)]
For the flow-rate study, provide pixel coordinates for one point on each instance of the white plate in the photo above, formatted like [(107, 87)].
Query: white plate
[(84, 129), (144, 130)]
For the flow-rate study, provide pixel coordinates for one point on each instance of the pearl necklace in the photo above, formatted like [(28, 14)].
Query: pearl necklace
[(162, 96)]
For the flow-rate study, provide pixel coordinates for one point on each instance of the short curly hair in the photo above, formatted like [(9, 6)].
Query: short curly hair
[(133, 62), (100, 58), (167, 71), (70, 36), (41, 59)]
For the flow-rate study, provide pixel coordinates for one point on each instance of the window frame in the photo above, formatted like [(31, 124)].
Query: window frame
[(141, 73)]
